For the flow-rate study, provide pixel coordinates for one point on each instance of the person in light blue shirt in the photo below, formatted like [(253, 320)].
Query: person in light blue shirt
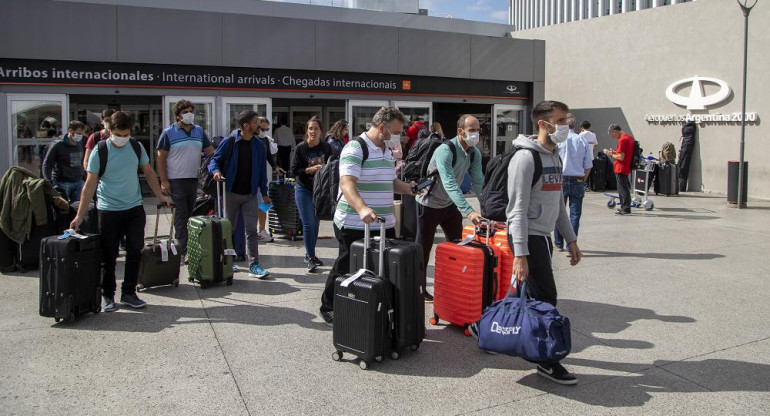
[(121, 213), (577, 162)]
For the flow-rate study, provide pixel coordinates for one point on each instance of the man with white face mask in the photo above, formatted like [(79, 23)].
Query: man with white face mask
[(63, 164), (179, 158), (445, 205)]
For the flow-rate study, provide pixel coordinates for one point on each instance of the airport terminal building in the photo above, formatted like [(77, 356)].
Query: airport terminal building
[(287, 61)]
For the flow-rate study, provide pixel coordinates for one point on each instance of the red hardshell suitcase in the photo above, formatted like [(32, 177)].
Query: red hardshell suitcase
[(465, 282), (499, 240)]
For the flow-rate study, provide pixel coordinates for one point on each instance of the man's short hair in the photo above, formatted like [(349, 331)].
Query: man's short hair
[(571, 122), (121, 121), (76, 125), (107, 113), (585, 124), (543, 110), (614, 127), (181, 105), (245, 117), (386, 115), (463, 120)]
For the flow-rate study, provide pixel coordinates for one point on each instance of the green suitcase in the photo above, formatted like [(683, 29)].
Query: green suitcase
[(210, 249)]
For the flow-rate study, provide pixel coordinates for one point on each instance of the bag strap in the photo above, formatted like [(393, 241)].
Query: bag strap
[(538, 167), (364, 150), (103, 151)]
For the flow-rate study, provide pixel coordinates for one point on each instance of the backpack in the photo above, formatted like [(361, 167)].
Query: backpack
[(417, 160), (494, 195), (637, 155), (327, 183), (205, 178), (424, 133), (668, 153), (102, 149)]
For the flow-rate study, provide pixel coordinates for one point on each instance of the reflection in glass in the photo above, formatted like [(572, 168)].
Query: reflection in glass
[(361, 120), (34, 125), (234, 109), (508, 126), (299, 119)]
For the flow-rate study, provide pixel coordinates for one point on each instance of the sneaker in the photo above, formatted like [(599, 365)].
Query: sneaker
[(428, 297), (235, 268), (311, 265), (328, 317), (318, 261), (558, 248), (257, 271), (621, 212), (473, 329), (108, 304), (556, 373), (264, 237), (130, 299)]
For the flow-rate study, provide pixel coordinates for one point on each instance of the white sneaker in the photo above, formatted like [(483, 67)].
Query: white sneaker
[(264, 237)]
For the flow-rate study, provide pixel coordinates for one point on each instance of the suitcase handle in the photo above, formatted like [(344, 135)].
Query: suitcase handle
[(221, 199), (367, 242), (171, 224)]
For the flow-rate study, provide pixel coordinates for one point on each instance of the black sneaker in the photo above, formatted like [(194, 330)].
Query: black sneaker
[(556, 373), (311, 266), (621, 212), (318, 261), (428, 297), (328, 317), (473, 329)]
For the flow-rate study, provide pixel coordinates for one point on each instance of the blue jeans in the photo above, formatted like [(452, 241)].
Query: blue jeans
[(573, 192), (304, 198), (71, 189)]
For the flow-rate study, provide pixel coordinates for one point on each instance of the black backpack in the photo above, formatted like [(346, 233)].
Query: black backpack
[(637, 155), (494, 195), (417, 160), (205, 179), (424, 133), (102, 149), (326, 184)]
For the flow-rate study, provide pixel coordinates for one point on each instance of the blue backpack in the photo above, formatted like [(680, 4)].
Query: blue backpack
[(526, 328)]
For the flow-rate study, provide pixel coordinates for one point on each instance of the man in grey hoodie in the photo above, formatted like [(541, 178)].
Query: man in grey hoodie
[(533, 211)]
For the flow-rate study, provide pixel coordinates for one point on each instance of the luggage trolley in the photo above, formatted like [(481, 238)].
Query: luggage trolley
[(641, 179)]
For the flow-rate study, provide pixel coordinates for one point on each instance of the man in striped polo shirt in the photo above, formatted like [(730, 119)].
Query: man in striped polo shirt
[(367, 184)]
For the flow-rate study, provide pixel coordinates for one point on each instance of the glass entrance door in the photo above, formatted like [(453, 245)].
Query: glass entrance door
[(35, 121), (332, 115), (414, 109), (232, 106), (300, 117), (507, 125), (360, 115)]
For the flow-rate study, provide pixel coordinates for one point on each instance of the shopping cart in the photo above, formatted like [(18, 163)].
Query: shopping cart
[(641, 178)]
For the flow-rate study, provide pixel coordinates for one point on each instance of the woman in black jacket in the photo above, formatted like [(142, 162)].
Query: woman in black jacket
[(335, 136), (307, 159)]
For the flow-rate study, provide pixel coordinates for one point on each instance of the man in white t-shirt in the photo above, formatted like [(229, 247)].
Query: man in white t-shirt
[(284, 138), (588, 136)]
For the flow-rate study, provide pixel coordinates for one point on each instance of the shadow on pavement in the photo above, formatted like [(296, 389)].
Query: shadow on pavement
[(636, 389), (662, 256)]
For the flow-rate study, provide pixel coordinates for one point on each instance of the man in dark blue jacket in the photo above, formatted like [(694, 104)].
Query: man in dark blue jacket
[(245, 175)]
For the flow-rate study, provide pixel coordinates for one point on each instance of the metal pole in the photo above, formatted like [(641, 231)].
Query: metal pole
[(746, 11)]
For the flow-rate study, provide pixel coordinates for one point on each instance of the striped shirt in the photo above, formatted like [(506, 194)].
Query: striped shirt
[(375, 183)]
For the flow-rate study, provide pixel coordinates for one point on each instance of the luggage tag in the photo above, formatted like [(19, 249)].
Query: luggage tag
[(353, 278), (230, 252), (163, 250), (466, 240), (173, 248)]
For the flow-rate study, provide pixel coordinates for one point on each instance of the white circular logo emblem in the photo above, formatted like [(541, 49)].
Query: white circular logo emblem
[(696, 100)]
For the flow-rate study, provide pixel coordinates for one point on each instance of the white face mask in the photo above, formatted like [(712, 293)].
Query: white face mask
[(472, 139), (262, 134), (188, 118), (77, 138), (560, 135), (119, 141), (395, 139)]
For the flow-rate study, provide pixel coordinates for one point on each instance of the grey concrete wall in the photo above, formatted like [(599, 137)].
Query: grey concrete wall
[(617, 69)]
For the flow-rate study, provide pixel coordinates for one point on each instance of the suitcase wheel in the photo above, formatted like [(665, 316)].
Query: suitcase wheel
[(96, 310), (394, 355), (648, 205), (337, 356), (434, 320), (140, 287), (230, 281), (175, 283), (204, 285), (363, 364), (467, 332), (414, 347)]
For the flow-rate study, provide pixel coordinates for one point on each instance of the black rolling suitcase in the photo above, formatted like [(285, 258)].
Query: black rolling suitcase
[(363, 314), (283, 217), (160, 260), (29, 251), (668, 179), (598, 175), (70, 276), (403, 266)]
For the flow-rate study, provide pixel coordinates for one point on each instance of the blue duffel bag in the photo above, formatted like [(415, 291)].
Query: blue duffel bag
[(526, 328)]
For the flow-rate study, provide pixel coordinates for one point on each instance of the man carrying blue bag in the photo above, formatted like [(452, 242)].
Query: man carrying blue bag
[(533, 329)]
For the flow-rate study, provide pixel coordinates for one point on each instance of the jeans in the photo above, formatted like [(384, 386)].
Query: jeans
[(112, 226), (624, 192), (71, 189), (183, 195), (304, 198), (345, 237), (428, 219), (573, 192), (248, 206)]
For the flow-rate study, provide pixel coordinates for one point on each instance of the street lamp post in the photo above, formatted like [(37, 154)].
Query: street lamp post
[(746, 10)]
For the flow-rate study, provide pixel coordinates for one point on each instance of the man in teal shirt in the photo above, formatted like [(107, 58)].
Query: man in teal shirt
[(121, 213), (445, 205)]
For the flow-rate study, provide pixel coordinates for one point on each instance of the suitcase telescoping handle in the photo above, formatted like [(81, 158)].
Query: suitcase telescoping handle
[(171, 225), (221, 199), (367, 242)]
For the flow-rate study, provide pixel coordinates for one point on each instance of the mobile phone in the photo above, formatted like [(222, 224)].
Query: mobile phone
[(422, 185)]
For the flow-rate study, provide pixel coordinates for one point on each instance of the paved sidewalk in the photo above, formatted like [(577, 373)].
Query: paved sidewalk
[(669, 311)]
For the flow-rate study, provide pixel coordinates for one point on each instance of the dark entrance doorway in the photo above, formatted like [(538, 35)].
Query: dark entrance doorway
[(447, 114)]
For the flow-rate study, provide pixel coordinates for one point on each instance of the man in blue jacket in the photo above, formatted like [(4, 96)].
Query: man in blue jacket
[(245, 175)]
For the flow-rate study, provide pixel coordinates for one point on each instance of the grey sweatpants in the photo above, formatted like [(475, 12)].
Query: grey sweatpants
[(248, 206)]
